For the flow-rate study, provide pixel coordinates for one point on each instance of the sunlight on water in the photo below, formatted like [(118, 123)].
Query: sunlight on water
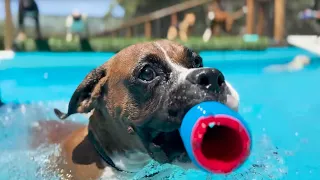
[(17, 161)]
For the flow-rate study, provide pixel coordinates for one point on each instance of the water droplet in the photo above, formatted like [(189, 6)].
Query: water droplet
[(204, 112), (296, 134), (211, 124), (268, 157), (23, 109), (203, 125)]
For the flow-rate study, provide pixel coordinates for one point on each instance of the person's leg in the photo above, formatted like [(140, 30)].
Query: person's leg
[(21, 33), (38, 31), (21, 13), (69, 36)]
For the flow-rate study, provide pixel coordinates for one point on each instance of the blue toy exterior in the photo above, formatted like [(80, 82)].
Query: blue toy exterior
[(205, 109)]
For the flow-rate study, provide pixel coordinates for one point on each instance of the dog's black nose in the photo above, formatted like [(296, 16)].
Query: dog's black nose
[(209, 78)]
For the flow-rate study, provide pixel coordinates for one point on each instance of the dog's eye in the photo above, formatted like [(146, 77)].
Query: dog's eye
[(197, 63), (147, 74)]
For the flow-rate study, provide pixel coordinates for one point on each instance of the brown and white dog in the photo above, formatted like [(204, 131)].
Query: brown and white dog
[(137, 101), (182, 29)]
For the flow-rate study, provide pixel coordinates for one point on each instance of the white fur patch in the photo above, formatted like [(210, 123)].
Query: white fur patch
[(233, 99), (130, 161), (182, 71), (211, 15), (109, 173), (233, 92)]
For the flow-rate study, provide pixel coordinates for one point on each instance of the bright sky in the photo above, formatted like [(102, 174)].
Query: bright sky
[(95, 8)]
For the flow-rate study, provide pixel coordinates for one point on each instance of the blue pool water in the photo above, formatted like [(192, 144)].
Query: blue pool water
[(281, 109)]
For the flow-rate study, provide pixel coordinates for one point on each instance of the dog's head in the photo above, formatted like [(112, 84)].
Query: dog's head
[(149, 87)]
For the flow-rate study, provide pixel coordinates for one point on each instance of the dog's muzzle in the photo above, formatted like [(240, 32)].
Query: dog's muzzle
[(199, 85)]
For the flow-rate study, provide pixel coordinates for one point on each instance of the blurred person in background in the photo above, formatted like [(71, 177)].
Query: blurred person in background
[(28, 9), (77, 26), (312, 12)]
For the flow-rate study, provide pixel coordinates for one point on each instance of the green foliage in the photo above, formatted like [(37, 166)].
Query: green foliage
[(109, 44), (130, 6)]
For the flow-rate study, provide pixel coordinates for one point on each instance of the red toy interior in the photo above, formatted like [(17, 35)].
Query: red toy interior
[(222, 147), (222, 143)]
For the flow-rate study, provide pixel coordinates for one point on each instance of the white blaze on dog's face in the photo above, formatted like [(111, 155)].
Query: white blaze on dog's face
[(149, 87)]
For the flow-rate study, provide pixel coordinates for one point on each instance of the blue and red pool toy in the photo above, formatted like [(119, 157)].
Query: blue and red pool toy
[(216, 138)]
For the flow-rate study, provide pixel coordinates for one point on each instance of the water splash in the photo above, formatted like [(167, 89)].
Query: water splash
[(264, 163), (19, 162)]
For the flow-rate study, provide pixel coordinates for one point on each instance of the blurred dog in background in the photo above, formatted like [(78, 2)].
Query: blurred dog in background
[(183, 28)]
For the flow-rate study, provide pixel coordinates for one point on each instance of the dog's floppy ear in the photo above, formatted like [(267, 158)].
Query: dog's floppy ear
[(84, 98)]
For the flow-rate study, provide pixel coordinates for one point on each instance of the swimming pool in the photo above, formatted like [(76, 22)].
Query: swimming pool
[(281, 109)]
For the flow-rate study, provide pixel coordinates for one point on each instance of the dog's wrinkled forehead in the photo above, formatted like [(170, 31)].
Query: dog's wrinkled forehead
[(174, 54)]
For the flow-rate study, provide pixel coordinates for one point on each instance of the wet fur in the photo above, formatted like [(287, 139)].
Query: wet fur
[(122, 122)]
